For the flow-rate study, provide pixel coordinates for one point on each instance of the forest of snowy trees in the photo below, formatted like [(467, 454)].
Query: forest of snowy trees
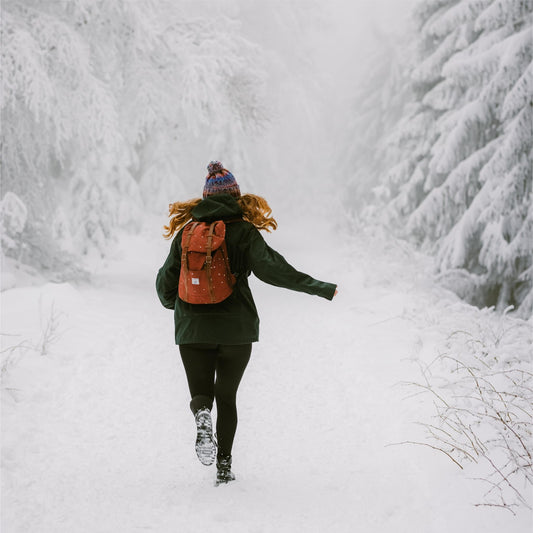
[(99, 100), (445, 144), (110, 109)]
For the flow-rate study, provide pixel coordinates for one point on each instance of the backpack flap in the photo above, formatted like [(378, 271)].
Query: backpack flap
[(200, 237), (195, 261)]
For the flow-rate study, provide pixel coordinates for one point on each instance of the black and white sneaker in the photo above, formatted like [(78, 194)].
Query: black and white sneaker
[(224, 473), (206, 446)]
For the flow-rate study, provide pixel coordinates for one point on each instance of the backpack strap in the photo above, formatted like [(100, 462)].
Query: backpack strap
[(208, 261), (224, 251), (186, 242), (224, 248), (184, 249)]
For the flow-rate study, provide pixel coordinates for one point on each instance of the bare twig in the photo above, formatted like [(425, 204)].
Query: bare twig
[(429, 446)]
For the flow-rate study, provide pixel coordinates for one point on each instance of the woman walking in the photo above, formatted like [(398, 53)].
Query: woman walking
[(215, 339)]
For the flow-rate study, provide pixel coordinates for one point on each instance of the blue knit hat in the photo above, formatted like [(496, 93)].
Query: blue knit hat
[(220, 181)]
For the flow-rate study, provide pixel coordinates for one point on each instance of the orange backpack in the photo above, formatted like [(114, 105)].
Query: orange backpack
[(205, 276)]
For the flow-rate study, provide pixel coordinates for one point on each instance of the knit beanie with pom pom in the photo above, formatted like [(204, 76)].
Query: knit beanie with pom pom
[(220, 181)]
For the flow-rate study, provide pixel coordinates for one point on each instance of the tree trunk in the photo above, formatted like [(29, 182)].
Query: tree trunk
[(504, 296)]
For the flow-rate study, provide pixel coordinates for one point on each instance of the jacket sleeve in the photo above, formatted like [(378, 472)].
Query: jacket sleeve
[(169, 274), (271, 267)]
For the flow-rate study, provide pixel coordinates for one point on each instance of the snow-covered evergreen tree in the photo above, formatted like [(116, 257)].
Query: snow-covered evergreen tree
[(461, 185)]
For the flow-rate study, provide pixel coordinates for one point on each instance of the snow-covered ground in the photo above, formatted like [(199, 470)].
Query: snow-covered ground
[(97, 435)]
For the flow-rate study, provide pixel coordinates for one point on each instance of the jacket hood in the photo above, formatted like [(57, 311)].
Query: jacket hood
[(217, 207)]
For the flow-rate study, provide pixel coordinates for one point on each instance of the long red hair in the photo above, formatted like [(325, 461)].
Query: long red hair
[(255, 210)]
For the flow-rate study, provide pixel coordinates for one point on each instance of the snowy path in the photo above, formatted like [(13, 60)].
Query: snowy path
[(97, 436)]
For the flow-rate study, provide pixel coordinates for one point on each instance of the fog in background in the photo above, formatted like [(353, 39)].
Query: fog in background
[(315, 57)]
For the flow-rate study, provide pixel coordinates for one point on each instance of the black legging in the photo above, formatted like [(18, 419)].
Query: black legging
[(201, 361)]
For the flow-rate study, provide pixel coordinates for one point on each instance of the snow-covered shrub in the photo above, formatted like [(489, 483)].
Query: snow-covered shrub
[(481, 385), (459, 162), (49, 333), (13, 217)]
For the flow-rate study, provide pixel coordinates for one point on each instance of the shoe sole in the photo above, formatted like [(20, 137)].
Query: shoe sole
[(206, 448), (223, 481)]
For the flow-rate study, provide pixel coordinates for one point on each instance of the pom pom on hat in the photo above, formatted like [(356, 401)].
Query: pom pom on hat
[(214, 167), (220, 181)]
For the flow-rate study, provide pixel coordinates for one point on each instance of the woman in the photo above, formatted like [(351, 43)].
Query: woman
[(215, 340)]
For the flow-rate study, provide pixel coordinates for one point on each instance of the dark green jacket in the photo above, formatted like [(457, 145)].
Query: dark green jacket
[(235, 320)]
